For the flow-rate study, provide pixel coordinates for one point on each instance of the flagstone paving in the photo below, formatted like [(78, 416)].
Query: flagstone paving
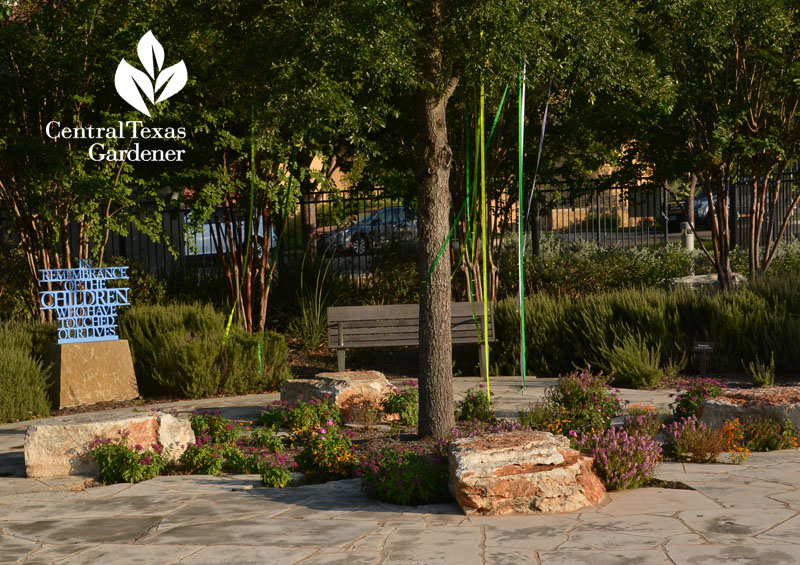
[(747, 513)]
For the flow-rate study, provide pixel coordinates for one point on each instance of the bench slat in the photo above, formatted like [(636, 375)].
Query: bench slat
[(382, 312), (364, 326), (465, 336), (396, 312), (367, 327), (398, 325), (408, 322), (397, 343), (367, 335)]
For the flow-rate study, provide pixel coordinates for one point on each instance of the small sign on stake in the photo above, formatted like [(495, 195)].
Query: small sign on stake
[(703, 348)]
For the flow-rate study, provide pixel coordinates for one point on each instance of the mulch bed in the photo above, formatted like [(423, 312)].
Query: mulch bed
[(370, 439), (767, 396)]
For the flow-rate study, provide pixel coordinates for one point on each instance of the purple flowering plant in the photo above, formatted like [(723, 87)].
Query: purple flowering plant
[(621, 460), (301, 417), (581, 401), (642, 419), (205, 457), (120, 463), (693, 393), (475, 406), (252, 459), (689, 439), (768, 434), (404, 475), (403, 403), (327, 454), (220, 429)]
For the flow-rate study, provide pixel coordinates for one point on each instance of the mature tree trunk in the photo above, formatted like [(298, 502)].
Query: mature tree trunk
[(436, 417)]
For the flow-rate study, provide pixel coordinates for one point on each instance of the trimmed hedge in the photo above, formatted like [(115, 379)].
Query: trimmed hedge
[(580, 267), (178, 350), (24, 380), (245, 372), (746, 324)]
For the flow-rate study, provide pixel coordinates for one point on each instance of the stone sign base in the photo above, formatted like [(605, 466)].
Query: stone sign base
[(85, 373)]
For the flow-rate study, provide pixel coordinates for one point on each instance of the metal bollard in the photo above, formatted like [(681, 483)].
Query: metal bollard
[(687, 237)]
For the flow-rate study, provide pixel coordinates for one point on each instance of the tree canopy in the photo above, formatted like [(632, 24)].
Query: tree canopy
[(390, 91), (730, 110)]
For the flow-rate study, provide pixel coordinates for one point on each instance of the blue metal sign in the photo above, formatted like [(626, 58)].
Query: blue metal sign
[(86, 308)]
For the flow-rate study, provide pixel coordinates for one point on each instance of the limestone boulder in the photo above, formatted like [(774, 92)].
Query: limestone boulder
[(60, 447), (521, 472), (352, 391), (695, 282), (714, 412)]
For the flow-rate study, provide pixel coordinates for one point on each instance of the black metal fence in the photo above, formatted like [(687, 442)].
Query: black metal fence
[(346, 228), (159, 257), (350, 228), (607, 217), (781, 193)]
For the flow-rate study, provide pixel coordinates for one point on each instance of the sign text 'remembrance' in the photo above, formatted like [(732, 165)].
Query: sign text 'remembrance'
[(86, 308)]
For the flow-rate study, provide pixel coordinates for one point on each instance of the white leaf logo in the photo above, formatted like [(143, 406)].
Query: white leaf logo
[(126, 80), (172, 79), (149, 49), (131, 83)]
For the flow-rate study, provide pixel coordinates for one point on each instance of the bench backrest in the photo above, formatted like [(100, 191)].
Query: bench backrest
[(398, 324)]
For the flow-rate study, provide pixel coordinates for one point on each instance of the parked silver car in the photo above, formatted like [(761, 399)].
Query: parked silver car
[(202, 242), (372, 232)]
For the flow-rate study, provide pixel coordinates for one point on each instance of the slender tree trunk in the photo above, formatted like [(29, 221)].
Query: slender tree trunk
[(773, 213), (754, 226), (436, 417), (263, 264), (720, 232)]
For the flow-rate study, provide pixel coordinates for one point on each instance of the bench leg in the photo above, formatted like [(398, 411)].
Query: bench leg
[(482, 353), (340, 359)]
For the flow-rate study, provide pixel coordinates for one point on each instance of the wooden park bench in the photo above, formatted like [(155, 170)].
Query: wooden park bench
[(396, 325)]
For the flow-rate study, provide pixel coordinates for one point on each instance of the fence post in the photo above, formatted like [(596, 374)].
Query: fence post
[(597, 213), (536, 235), (665, 212)]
